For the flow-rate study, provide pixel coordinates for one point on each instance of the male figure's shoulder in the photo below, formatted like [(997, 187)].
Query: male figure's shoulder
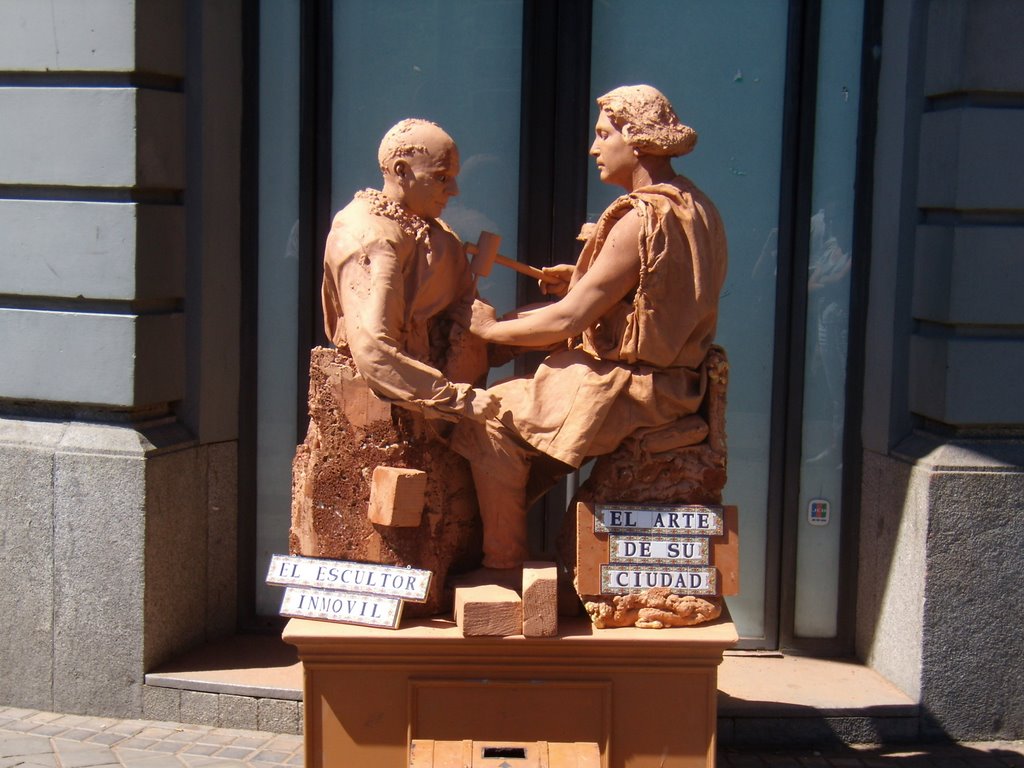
[(369, 219)]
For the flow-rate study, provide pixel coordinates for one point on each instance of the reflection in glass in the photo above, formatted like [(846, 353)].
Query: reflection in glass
[(722, 65), (456, 62), (278, 286), (828, 305)]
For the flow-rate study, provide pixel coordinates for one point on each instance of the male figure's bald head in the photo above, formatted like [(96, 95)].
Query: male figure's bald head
[(411, 137), (419, 161)]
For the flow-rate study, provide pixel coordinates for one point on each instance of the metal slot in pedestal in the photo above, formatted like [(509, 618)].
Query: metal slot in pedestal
[(512, 753)]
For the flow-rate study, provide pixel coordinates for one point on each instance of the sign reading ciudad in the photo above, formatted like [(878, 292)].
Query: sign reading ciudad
[(354, 593), (640, 547)]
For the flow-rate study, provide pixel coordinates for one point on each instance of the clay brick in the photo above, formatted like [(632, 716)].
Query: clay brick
[(488, 610), (540, 599), (396, 496)]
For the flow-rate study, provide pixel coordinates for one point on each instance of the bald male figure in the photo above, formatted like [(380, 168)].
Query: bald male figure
[(396, 276)]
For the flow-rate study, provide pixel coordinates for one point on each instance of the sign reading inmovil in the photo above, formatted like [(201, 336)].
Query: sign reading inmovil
[(362, 578), (347, 607)]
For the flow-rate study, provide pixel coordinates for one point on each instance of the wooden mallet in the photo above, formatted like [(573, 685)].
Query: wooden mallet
[(485, 255)]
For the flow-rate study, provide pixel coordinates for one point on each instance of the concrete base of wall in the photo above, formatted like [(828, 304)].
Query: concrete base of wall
[(121, 540), (940, 609)]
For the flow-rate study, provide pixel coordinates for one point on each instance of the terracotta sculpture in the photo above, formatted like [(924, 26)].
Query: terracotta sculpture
[(633, 326), (392, 269), (395, 277)]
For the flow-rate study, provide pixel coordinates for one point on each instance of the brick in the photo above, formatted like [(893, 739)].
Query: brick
[(540, 599), (396, 496), (488, 610)]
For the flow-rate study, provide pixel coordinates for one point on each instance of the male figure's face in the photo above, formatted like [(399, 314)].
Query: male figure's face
[(615, 158), (428, 181)]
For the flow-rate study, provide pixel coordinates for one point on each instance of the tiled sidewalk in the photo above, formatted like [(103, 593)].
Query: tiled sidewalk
[(1000, 754), (30, 738)]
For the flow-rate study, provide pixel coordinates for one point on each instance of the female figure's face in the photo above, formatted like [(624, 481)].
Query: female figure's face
[(615, 158)]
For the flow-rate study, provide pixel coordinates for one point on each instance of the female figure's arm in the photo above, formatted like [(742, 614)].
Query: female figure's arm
[(612, 275)]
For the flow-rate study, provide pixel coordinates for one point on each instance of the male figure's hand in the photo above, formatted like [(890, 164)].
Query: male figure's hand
[(481, 319), (481, 405)]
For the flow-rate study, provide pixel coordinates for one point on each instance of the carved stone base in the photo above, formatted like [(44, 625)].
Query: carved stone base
[(351, 432), (680, 463), (651, 609)]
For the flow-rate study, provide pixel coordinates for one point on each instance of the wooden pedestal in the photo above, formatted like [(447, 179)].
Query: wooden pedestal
[(646, 697)]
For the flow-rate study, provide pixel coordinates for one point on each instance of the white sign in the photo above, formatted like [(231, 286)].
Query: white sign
[(657, 549), (342, 606), (687, 519), (365, 578), (626, 579)]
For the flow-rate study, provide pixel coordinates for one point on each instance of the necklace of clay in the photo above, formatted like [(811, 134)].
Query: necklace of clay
[(382, 205)]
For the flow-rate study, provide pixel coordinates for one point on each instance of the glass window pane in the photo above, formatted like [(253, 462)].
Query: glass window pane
[(828, 294), (722, 65), (278, 286), (456, 62)]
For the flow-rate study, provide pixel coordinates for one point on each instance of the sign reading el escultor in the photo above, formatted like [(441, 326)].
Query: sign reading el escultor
[(353, 593), (363, 578)]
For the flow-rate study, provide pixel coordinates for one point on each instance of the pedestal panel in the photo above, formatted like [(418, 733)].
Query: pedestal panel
[(646, 697)]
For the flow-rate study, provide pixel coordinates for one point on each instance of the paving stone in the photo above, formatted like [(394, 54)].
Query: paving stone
[(128, 727), (76, 755), (77, 734), (107, 738), (141, 758), (216, 737), (136, 742), (284, 743), (20, 744), (44, 717), (200, 749), (252, 742), (17, 713), (268, 756), (156, 733), (183, 737), (42, 761), (200, 761), (22, 726), (48, 730), (166, 746), (235, 753)]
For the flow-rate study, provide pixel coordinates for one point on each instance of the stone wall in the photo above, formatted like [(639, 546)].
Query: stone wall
[(119, 261), (940, 611)]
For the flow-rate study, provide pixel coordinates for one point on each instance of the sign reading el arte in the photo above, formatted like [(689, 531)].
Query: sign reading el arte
[(658, 549), (346, 607), (364, 578), (688, 519), (617, 579)]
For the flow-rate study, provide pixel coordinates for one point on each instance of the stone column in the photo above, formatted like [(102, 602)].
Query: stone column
[(118, 387), (940, 611)]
